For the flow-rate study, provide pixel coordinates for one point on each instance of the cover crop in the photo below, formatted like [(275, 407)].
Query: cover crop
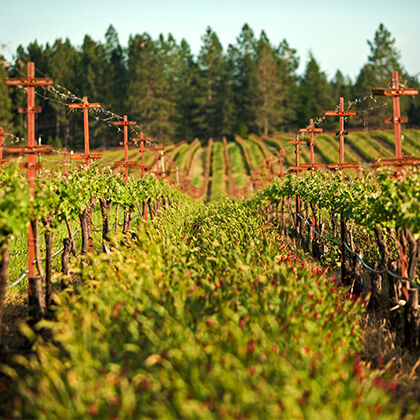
[(208, 314)]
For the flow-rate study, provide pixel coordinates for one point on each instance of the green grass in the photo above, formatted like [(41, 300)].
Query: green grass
[(261, 146), (180, 154), (218, 182), (192, 150), (254, 151), (196, 171), (366, 147), (411, 141), (208, 314), (244, 153), (238, 164)]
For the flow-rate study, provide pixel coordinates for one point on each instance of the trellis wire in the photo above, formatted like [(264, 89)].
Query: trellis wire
[(308, 222)]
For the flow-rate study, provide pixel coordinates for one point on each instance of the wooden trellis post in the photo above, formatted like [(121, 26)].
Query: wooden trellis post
[(341, 133), (171, 164), (2, 135), (142, 166), (125, 163), (162, 157), (87, 156), (297, 143), (400, 160), (267, 162), (395, 92), (32, 149), (85, 105), (297, 169), (177, 177), (65, 153), (312, 132), (280, 157)]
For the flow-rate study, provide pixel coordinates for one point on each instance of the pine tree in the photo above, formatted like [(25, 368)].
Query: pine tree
[(377, 72), (276, 83), (45, 121), (91, 74), (5, 98), (314, 93), (288, 64), (146, 84), (341, 87), (116, 76), (63, 65), (243, 55), (209, 99), (269, 92), (186, 74)]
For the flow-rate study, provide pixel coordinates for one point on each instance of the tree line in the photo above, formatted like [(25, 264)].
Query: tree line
[(252, 86)]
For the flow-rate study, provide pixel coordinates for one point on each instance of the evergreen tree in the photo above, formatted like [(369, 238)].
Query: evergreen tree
[(276, 83), (116, 76), (269, 88), (186, 88), (5, 98), (63, 65), (245, 87), (91, 73), (209, 99), (314, 93), (341, 87), (288, 64), (145, 78), (377, 72), (413, 110), (45, 121)]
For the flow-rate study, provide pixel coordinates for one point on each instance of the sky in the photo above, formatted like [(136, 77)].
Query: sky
[(336, 32)]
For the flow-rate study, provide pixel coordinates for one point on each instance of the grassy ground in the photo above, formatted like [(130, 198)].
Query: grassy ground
[(197, 166), (218, 182), (238, 164)]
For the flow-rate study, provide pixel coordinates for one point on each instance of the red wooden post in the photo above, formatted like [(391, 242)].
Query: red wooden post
[(142, 166), (87, 156), (280, 156), (395, 92), (267, 161), (296, 142), (162, 157), (125, 163), (178, 178), (2, 134), (171, 164), (296, 169), (311, 130), (85, 105), (341, 133), (32, 148), (65, 153), (400, 159)]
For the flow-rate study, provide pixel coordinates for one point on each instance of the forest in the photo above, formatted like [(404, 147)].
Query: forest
[(251, 87)]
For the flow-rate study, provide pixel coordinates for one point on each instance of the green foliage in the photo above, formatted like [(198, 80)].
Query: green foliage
[(218, 182), (315, 93), (5, 100), (377, 72), (14, 202), (207, 315), (177, 96), (370, 201)]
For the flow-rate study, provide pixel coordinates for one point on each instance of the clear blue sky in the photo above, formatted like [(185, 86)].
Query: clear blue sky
[(335, 31)]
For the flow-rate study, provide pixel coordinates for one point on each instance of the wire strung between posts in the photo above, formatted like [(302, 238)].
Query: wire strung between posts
[(308, 222), (66, 94), (25, 273), (116, 223)]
